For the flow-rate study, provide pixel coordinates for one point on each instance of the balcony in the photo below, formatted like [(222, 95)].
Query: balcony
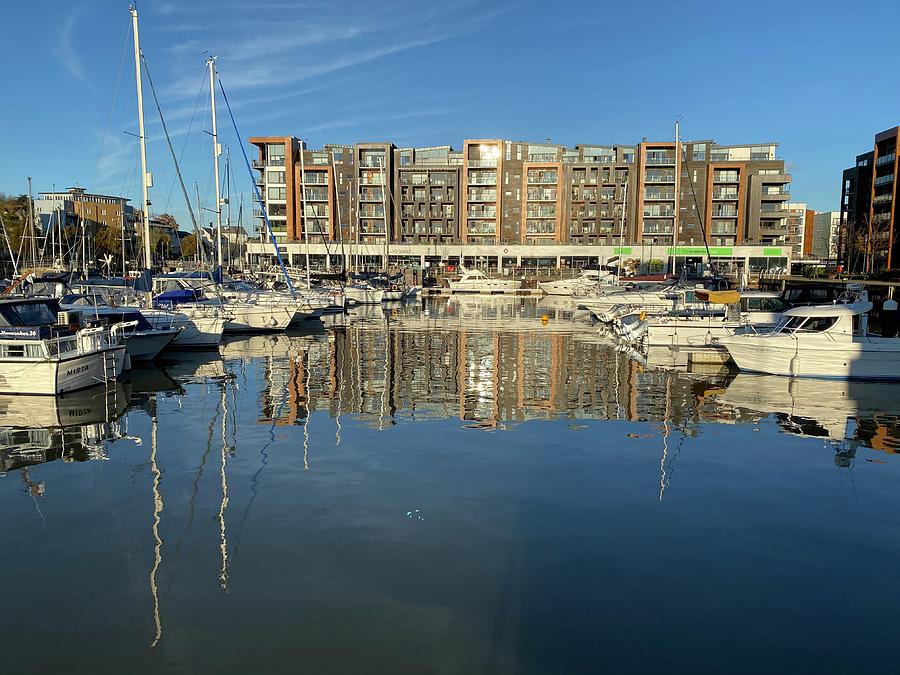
[(542, 178), (482, 213), (655, 195), (371, 195), (482, 196), (654, 228), (659, 178), (879, 218), (773, 213), (315, 178), (725, 194), (370, 213), (481, 163), (886, 159), (660, 160), (482, 228), (881, 199), (482, 178), (884, 180), (540, 212), (538, 195), (258, 164), (659, 213), (315, 195), (726, 177), (540, 227), (545, 157)]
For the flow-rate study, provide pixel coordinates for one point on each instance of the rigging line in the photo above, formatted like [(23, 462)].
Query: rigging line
[(162, 119), (259, 198), (187, 134), (112, 108)]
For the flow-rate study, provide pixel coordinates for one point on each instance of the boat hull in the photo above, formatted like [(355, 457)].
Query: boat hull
[(779, 355), (364, 296), (146, 345), (52, 377)]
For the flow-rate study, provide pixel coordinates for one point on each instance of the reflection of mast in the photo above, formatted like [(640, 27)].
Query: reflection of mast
[(384, 380), (223, 575), (340, 390), (306, 395), (157, 549), (663, 478)]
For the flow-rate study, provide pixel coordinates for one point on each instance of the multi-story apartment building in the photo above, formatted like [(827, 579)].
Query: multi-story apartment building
[(868, 239), (501, 193), (75, 204), (795, 232), (825, 234)]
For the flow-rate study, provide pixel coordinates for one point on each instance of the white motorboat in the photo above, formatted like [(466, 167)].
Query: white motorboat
[(827, 341), (476, 281), (201, 326), (143, 340), (587, 282), (38, 356), (364, 294)]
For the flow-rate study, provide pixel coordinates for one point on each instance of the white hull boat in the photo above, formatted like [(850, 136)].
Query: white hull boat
[(200, 327), (476, 281), (827, 341), (364, 294)]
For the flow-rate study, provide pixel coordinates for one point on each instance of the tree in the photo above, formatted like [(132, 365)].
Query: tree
[(189, 246), (14, 212), (108, 241), (167, 220), (160, 242)]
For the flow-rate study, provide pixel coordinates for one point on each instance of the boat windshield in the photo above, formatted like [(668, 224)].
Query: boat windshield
[(814, 324), (33, 314)]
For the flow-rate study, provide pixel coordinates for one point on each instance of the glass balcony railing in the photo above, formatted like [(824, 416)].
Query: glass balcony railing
[(482, 213), (482, 195), (884, 180), (481, 163), (541, 195), (725, 194), (885, 159), (533, 212), (659, 178), (659, 213), (482, 178), (656, 160), (659, 194), (725, 213)]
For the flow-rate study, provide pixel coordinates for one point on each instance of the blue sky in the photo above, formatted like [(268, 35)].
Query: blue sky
[(818, 77)]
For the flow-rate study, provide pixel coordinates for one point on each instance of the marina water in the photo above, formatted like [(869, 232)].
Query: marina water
[(469, 485)]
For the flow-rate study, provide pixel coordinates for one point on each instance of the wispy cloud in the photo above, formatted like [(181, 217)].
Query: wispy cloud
[(66, 51)]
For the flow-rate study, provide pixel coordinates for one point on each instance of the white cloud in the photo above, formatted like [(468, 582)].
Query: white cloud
[(66, 51)]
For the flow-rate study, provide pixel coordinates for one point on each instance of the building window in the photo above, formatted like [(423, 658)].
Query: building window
[(277, 193)]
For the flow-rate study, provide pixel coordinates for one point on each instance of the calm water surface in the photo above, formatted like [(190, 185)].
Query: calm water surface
[(460, 488)]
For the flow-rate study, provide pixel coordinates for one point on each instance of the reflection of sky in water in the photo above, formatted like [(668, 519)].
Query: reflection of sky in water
[(327, 503)]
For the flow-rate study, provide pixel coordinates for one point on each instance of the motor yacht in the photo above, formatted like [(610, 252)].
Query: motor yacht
[(826, 341), (476, 281), (587, 282), (38, 355)]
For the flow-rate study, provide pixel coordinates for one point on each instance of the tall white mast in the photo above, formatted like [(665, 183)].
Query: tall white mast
[(303, 219), (622, 231), (217, 150), (146, 178)]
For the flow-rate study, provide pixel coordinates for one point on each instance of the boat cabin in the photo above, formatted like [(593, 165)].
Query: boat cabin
[(834, 320)]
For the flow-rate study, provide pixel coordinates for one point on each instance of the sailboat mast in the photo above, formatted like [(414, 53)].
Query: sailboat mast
[(384, 203), (304, 222), (228, 201), (31, 232), (622, 232), (146, 178), (217, 150)]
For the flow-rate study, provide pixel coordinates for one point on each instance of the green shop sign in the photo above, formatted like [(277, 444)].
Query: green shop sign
[(772, 252), (699, 251), (622, 250)]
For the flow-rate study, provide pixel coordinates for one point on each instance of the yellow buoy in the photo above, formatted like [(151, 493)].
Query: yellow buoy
[(545, 320)]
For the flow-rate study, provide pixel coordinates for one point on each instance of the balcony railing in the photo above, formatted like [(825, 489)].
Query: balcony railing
[(482, 163), (482, 179), (542, 195), (725, 194), (724, 213), (881, 199), (885, 159), (726, 177), (659, 194), (884, 180), (541, 212), (658, 160), (657, 229), (660, 178), (482, 213), (542, 178), (659, 213), (315, 178), (477, 227), (482, 195)]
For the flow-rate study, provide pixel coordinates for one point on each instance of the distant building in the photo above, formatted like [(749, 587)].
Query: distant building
[(75, 205), (825, 233), (870, 222), (796, 227)]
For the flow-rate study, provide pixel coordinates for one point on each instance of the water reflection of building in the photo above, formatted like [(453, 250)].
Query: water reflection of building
[(487, 361)]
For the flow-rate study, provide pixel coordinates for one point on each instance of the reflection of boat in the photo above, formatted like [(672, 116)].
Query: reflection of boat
[(815, 407), (37, 430), (476, 281), (195, 366), (824, 341), (364, 294)]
